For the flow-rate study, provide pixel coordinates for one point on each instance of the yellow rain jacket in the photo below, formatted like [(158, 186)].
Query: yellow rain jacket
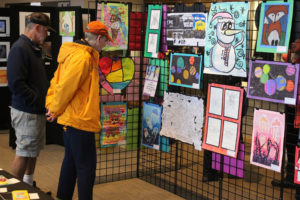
[(73, 96)]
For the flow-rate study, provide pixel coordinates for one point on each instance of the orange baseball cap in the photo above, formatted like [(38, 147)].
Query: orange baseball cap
[(98, 28)]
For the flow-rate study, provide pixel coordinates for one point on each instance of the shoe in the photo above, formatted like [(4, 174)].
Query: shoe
[(286, 183)]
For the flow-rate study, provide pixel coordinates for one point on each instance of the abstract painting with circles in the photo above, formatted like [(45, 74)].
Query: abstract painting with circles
[(273, 81), (185, 70)]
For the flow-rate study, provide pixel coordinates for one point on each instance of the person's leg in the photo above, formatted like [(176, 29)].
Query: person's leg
[(19, 166), (28, 176), (67, 178)]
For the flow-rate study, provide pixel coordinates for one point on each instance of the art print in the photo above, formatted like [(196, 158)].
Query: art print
[(185, 70), (267, 139), (67, 23), (297, 166), (275, 26), (22, 19), (223, 119), (273, 81), (151, 80), (113, 123), (4, 51), (151, 125), (3, 77), (225, 46), (186, 29), (4, 26), (115, 17)]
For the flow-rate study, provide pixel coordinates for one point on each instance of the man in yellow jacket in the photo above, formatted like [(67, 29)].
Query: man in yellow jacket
[(73, 98)]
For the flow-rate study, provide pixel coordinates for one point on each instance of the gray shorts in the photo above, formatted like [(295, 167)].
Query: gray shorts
[(30, 132)]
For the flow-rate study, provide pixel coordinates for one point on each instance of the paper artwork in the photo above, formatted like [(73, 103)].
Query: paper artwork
[(3, 77), (186, 29), (67, 23), (151, 125), (225, 46), (115, 17), (4, 51), (180, 122), (4, 26), (185, 70), (297, 166), (151, 80), (273, 81), (275, 26), (223, 119), (113, 123), (267, 139)]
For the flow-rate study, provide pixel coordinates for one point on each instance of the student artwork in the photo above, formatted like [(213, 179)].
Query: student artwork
[(225, 46), (223, 119), (115, 17), (183, 123), (3, 77), (115, 73), (113, 123), (151, 125), (67, 23), (153, 31), (151, 79), (186, 29), (163, 77), (185, 70), (273, 81), (297, 166), (4, 27), (275, 26), (22, 19), (229, 165), (4, 50), (267, 139)]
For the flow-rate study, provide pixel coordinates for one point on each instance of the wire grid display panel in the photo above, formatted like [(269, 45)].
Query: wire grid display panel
[(186, 171)]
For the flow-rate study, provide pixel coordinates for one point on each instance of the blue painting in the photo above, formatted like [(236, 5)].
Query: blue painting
[(225, 46), (151, 125)]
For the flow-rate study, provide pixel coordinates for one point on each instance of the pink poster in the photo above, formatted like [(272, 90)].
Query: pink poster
[(267, 139)]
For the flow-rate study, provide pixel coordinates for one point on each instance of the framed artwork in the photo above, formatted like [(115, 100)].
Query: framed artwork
[(4, 51), (22, 19), (275, 26), (183, 123), (185, 70), (186, 29), (151, 125), (153, 31), (273, 81), (225, 45), (4, 26), (223, 119), (267, 139), (3, 77), (113, 123), (297, 166), (67, 23), (151, 80), (115, 17)]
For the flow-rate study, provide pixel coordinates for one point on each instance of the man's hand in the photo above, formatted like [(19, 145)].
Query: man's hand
[(49, 116)]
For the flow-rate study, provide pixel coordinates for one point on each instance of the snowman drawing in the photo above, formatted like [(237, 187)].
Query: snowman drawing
[(222, 54)]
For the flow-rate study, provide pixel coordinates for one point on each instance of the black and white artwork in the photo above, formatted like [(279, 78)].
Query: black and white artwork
[(4, 27), (4, 50)]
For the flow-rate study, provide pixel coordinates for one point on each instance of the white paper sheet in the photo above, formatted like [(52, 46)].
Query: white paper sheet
[(155, 19), (213, 131), (152, 42), (215, 103), (182, 118), (230, 130), (232, 104)]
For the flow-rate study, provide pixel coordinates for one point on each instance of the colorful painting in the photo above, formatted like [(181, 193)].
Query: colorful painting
[(115, 74), (113, 123), (4, 27), (229, 165), (185, 70), (67, 23), (151, 125), (275, 26), (223, 119), (186, 29), (225, 46), (267, 139), (273, 81), (153, 31), (4, 50), (115, 17), (3, 77), (297, 166), (151, 79)]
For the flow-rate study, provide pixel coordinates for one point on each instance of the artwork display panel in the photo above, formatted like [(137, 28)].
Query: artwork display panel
[(223, 119), (4, 26), (267, 139), (225, 45), (186, 29), (275, 26), (113, 123), (185, 70), (273, 81), (4, 51)]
